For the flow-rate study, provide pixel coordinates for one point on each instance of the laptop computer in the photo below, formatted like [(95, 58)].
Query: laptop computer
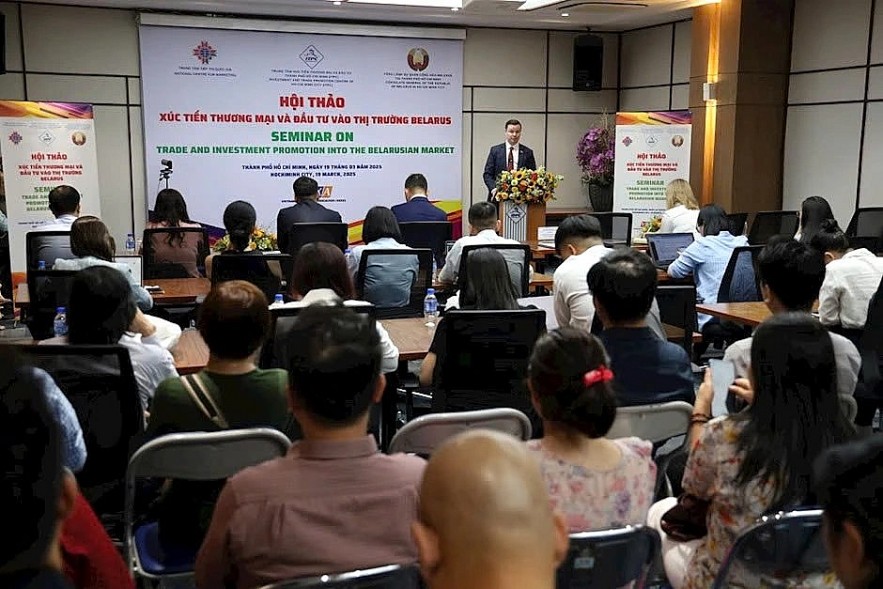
[(135, 264), (666, 247)]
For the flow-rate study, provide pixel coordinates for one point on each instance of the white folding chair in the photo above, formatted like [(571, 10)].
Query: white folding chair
[(654, 423), (193, 456), (849, 406), (391, 576), (602, 559), (425, 434)]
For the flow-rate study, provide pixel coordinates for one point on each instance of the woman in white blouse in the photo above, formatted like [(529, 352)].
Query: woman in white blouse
[(683, 210)]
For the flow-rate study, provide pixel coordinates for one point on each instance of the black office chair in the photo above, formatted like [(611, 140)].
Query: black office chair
[(738, 222), (517, 256), (266, 271), (385, 577), (768, 224), (404, 299), (616, 228), (605, 559), (48, 290), (431, 234), (100, 384), (872, 244), (300, 234), (47, 246), (740, 283), (677, 307), (484, 363), (192, 237), (866, 222)]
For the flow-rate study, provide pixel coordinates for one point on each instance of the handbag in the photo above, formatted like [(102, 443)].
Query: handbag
[(686, 520)]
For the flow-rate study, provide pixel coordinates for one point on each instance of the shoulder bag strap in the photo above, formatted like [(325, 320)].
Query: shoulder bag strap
[(203, 400)]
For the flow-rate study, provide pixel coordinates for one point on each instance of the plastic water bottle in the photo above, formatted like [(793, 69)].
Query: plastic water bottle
[(430, 307), (130, 244), (434, 270), (41, 265), (59, 326), (278, 301)]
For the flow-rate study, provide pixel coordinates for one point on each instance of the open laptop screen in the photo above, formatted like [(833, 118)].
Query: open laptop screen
[(666, 247), (134, 263)]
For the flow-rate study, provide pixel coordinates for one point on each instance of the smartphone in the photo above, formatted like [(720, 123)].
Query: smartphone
[(723, 373)]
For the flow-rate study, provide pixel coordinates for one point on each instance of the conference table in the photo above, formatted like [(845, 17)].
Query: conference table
[(172, 291), (750, 314)]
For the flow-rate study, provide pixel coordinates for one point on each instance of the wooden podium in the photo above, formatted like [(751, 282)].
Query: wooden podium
[(521, 221)]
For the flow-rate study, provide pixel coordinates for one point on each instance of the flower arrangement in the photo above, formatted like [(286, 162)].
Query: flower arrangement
[(261, 239), (651, 226), (595, 153), (527, 186)]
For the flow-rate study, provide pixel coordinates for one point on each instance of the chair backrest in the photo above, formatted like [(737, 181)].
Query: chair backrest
[(654, 423), (872, 244), (398, 292), (100, 384), (871, 346), (200, 456), (738, 221), (781, 547), (48, 290), (866, 222), (385, 577), (281, 319), (300, 234), (740, 283), (424, 434), (616, 228), (517, 256), (677, 307), (768, 224), (47, 246), (606, 559), (156, 267), (266, 271), (485, 360), (431, 234), (849, 407)]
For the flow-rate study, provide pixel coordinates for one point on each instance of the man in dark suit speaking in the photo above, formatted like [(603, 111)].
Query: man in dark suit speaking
[(507, 156), (306, 209)]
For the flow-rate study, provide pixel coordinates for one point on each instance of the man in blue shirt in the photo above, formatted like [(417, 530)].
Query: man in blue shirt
[(646, 369), (417, 206)]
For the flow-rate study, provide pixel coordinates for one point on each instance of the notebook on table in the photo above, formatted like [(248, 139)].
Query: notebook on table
[(666, 247)]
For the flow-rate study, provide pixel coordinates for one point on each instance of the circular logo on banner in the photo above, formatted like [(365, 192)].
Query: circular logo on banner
[(677, 140), (79, 138), (418, 59)]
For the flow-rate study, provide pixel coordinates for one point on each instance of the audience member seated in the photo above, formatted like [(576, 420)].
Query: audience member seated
[(706, 258), (683, 210), (758, 461), (93, 245), (233, 321), (101, 311), (73, 446), (417, 206), (488, 288), (485, 520), (483, 227), (306, 209), (791, 275), (647, 369), (57, 540), (813, 212), (578, 242), (388, 280), (64, 203), (333, 504), (175, 248), (849, 485), (594, 482), (239, 221), (320, 277), (851, 278)]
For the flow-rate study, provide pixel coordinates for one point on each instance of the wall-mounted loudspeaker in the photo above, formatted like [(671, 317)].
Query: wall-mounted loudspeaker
[(588, 63)]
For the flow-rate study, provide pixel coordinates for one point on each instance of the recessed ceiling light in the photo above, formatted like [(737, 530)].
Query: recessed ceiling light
[(454, 9), (565, 14), (337, 2)]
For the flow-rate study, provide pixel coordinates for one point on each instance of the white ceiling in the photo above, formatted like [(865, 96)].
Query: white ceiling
[(603, 15)]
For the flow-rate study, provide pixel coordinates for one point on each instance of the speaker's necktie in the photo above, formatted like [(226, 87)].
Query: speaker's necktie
[(510, 163)]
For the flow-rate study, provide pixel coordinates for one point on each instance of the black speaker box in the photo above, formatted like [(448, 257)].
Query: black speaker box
[(588, 63)]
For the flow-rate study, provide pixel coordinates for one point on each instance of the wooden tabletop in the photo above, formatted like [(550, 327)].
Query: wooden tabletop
[(751, 314), (411, 336), (174, 291), (191, 353)]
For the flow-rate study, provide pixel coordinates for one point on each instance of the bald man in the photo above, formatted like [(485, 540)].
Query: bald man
[(484, 520)]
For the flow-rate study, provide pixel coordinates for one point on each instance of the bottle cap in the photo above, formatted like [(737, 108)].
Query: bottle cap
[(430, 291), (278, 298), (60, 310)]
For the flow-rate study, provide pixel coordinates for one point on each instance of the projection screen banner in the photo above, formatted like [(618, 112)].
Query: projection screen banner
[(242, 114)]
